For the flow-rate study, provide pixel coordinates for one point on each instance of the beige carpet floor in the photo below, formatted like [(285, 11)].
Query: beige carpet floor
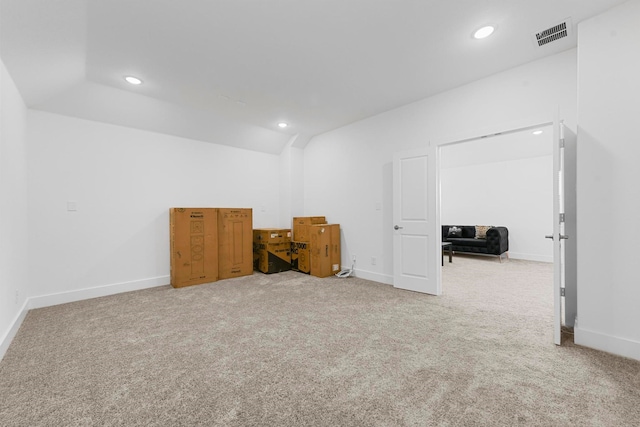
[(293, 350)]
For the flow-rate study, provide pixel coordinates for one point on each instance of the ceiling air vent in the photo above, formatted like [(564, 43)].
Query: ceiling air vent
[(556, 32)]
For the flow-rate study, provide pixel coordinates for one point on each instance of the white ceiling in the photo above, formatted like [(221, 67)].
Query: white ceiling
[(227, 71)]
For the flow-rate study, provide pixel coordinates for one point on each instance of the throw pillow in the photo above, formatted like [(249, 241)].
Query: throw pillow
[(481, 231), (454, 232)]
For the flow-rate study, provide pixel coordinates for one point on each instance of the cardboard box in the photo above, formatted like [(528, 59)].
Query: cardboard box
[(335, 249), (271, 250), (194, 246), (325, 246), (272, 235), (301, 256), (301, 226), (235, 242), (272, 257)]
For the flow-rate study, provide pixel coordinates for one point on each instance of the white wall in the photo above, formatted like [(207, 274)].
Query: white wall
[(123, 182), (608, 200), (13, 209), (502, 180), (348, 172), (291, 183), (516, 194)]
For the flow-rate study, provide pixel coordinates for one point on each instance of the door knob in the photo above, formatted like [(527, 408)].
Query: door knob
[(397, 227), (549, 237)]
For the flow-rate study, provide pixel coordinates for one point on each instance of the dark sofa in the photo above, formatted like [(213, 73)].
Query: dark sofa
[(496, 243)]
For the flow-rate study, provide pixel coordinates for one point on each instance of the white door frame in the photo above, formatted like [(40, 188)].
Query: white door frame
[(524, 125)]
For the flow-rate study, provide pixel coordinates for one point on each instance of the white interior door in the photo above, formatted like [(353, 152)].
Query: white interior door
[(570, 229), (558, 235), (416, 241)]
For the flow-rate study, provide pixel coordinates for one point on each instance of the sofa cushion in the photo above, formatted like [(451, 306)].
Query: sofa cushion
[(471, 242), (481, 231), (454, 232), (468, 231)]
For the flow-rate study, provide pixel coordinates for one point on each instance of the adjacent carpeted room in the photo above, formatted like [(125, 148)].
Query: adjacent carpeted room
[(290, 349)]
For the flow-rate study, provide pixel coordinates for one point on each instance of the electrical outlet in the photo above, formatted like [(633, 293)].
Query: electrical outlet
[(374, 260), (353, 258)]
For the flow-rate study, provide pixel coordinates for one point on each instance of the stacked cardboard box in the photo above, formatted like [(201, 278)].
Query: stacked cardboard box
[(301, 257), (301, 244), (194, 246), (325, 249), (271, 250), (208, 244), (235, 242), (301, 226)]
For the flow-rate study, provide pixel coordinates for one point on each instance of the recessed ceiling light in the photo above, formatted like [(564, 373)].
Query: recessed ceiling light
[(484, 32), (537, 132), (282, 125), (133, 80)]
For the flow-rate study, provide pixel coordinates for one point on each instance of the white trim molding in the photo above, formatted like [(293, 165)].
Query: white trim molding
[(375, 277), (5, 342), (98, 291), (610, 344), (72, 296), (530, 257)]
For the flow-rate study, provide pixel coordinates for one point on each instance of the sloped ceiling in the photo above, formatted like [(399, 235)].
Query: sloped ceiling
[(227, 71)]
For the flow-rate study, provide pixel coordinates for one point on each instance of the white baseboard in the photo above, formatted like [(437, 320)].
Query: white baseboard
[(530, 257), (99, 291), (13, 329), (599, 341), (72, 296), (376, 277)]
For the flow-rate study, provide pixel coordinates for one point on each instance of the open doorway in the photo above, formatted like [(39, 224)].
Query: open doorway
[(417, 215), (502, 180)]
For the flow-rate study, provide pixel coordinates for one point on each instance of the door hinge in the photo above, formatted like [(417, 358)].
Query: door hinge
[(561, 292), (561, 142), (561, 217)]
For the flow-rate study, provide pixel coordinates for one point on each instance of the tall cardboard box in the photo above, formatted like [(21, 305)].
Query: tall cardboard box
[(335, 249), (235, 242), (194, 246), (301, 257), (301, 224), (325, 248), (271, 250)]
